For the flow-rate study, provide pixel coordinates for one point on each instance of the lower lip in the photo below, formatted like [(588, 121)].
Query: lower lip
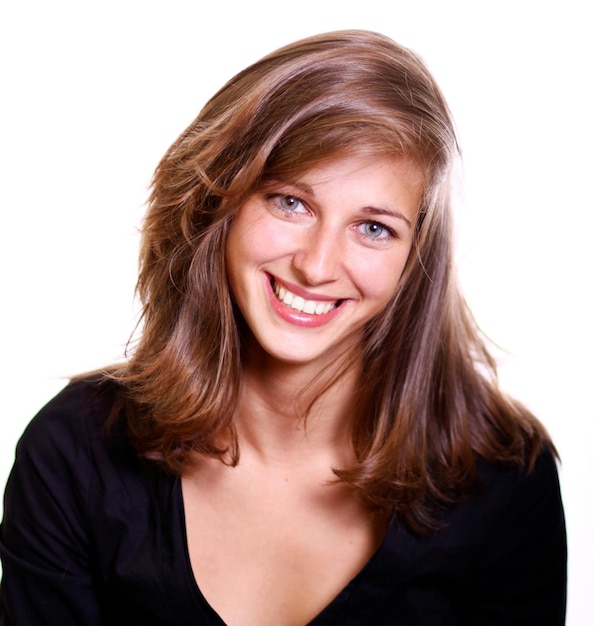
[(298, 318)]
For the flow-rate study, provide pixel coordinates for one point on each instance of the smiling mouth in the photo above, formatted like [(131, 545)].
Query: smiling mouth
[(298, 303)]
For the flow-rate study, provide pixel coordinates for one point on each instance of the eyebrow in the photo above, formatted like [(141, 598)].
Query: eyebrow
[(372, 210)]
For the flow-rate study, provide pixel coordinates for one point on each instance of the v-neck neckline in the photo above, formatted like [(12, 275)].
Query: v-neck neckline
[(332, 614)]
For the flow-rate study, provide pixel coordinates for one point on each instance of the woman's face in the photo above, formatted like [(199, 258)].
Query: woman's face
[(311, 261)]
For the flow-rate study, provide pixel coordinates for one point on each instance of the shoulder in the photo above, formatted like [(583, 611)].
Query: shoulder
[(519, 571), (534, 511), (71, 420), (70, 466), (56, 447), (67, 441), (77, 450), (79, 499), (522, 492), (48, 493), (514, 507), (80, 399), (499, 557)]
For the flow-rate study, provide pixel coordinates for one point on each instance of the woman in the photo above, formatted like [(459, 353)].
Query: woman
[(309, 428)]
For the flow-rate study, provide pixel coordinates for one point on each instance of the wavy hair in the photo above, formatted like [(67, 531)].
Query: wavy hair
[(428, 399)]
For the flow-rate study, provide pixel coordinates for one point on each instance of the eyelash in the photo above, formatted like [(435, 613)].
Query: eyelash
[(391, 234), (278, 198)]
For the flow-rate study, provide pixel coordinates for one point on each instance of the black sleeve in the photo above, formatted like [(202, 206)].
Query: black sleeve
[(47, 573), (520, 577)]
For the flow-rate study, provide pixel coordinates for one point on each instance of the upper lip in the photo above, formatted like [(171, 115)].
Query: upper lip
[(304, 293)]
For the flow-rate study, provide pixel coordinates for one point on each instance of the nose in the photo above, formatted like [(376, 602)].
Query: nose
[(319, 256)]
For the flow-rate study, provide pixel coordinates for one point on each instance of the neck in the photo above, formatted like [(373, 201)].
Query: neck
[(289, 411)]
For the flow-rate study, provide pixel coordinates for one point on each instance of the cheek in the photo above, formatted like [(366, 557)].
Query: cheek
[(254, 237), (379, 277), (242, 243), (236, 256), (382, 288)]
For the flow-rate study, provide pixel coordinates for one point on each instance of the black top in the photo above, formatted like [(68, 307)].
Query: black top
[(92, 534)]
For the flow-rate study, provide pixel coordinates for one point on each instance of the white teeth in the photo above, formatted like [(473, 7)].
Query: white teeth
[(311, 307), (284, 296), (298, 303)]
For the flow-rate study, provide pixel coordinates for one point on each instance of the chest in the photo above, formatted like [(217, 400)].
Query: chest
[(274, 554), (170, 556)]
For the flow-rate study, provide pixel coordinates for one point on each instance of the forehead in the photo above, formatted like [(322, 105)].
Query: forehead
[(368, 169), (303, 164)]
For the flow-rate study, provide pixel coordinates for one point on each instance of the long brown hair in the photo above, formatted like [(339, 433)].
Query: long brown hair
[(429, 402)]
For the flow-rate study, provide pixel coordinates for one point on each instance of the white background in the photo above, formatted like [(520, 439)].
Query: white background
[(92, 93)]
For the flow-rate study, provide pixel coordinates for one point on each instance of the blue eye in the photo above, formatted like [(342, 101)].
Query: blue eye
[(289, 203), (375, 230)]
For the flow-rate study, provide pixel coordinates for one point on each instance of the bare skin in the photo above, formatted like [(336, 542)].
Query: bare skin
[(271, 542)]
